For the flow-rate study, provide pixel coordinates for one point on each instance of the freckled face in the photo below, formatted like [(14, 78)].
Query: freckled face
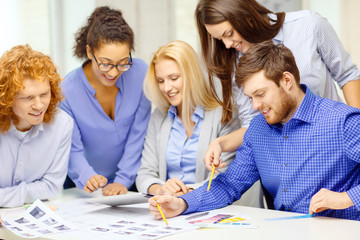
[(31, 103), (228, 35)]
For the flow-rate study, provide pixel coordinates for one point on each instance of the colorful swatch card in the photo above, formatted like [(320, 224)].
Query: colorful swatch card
[(223, 221), (213, 219)]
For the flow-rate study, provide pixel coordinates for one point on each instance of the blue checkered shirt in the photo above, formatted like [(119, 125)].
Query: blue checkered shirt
[(319, 147)]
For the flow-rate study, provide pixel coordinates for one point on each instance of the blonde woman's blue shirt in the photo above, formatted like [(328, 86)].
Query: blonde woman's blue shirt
[(181, 151), (319, 147), (101, 145)]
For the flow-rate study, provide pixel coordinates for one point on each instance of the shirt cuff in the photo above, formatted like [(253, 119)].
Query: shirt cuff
[(152, 183), (123, 181), (354, 195), (191, 201), (83, 178)]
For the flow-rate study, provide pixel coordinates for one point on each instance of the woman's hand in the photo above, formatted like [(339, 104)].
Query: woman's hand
[(212, 156), (114, 189), (173, 186), (95, 182)]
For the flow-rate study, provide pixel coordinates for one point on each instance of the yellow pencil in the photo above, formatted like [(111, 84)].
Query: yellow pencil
[(162, 214), (211, 176)]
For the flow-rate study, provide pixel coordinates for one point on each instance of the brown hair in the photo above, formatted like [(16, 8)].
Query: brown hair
[(273, 59), (17, 64), (104, 25), (250, 20)]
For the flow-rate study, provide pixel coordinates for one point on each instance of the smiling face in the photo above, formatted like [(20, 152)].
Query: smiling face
[(228, 35), (170, 81), (273, 101), (108, 53), (31, 103)]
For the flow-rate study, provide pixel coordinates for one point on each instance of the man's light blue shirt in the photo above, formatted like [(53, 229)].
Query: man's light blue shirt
[(33, 164), (181, 152), (100, 145), (319, 147)]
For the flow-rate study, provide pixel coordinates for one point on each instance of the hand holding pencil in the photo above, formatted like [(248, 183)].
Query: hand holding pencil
[(166, 206), (211, 177), (212, 156)]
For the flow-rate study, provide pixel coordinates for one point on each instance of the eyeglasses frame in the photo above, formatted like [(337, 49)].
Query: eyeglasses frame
[(113, 65)]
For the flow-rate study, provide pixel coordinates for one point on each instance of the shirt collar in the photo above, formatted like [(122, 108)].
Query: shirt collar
[(33, 132), (85, 80), (198, 113), (172, 112), (279, 38), (305, 111)]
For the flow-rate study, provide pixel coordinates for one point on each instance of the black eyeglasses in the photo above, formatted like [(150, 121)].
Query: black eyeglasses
[(105, 67)]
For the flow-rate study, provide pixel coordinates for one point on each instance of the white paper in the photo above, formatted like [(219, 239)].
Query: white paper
[(38, 220), (123, 199), (96, 221)]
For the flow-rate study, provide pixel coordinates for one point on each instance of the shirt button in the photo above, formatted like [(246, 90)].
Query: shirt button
[(284, 164), (285, 137), (284, 190), (288, 209), (20, 163)]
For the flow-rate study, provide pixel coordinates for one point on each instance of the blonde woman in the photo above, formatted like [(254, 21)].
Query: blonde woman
[(186, 119)]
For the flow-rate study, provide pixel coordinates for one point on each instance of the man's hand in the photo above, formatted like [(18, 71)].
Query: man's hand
[(114, 189), (171, 206), (212, 156), (95, 182), (326, 199)]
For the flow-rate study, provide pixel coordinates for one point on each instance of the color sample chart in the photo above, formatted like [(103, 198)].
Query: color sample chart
[(223, 221)]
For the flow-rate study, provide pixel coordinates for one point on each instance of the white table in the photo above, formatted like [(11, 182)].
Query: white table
[(307, 228)]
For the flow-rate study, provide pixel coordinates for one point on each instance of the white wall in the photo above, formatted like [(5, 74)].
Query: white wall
[(66, 17), (350, 30), (19, 24)]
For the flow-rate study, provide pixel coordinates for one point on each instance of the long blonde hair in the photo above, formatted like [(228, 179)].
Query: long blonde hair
[(196, 89)]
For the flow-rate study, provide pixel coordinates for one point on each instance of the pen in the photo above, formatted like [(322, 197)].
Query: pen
[(211, 176), (148, 195), (162, 214)]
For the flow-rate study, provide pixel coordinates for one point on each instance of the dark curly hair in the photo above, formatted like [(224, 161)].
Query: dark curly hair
[(104, 25)]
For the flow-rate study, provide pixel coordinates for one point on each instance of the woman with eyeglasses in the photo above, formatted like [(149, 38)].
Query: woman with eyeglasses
[(186, 119), (228, 28), (110, 110)]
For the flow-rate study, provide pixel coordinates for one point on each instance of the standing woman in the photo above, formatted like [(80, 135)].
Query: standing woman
[(227, 29), (110, 110), (186, 119)]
